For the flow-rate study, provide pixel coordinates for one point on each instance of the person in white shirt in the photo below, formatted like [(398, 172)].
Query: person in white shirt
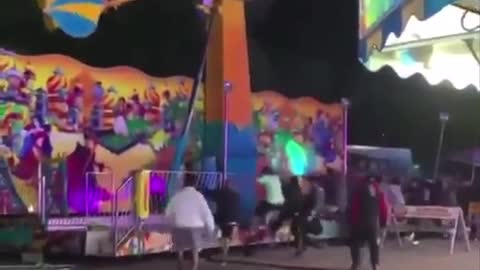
[(190, 217), (396, 198), (274, 194), (273, 189)]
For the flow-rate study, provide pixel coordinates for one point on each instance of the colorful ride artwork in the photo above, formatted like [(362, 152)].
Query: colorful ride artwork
[(86, 129), (73, 135)]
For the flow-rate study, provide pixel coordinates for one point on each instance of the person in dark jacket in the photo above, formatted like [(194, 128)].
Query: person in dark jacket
[(368, 214), (298, 207), (227, 216)]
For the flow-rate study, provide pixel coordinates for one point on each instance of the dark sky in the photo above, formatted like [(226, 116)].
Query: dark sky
[(303, 47)]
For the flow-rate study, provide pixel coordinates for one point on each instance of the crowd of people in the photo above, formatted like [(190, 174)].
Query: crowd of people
[(300, 203), (294, 200), (379, 195)]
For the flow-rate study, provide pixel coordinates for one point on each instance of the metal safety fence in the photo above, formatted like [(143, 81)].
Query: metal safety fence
[(99, 194), (161, 184)]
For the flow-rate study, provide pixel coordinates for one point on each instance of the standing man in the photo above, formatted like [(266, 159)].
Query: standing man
[(368, 214), (191, 219)]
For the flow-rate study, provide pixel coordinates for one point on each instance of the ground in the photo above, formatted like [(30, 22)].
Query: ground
[(430, 254)]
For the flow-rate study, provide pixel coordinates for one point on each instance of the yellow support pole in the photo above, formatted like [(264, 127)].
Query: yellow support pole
[(142, 194)]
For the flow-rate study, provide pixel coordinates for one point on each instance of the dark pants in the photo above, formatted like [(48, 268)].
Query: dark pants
[(264, 207), (473, 231), (285, 214), (358, 238), (298, 228)]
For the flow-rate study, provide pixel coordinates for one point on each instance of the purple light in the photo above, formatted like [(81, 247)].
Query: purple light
[(158, 184)]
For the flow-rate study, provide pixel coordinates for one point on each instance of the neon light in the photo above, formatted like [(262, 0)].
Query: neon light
[(297, 157)]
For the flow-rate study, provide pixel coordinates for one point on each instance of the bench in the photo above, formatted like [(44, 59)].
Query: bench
[(453, 215)]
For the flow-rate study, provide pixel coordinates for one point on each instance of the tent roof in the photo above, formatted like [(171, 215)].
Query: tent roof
[(445, 23), (395, 21), (444, 27)]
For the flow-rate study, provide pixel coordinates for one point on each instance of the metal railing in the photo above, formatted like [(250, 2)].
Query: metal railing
[(161, 186), (99, 197), (42, 193), (125, 221)]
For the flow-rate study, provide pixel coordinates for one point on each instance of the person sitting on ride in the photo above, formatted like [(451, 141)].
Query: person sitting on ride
[(274, 198)]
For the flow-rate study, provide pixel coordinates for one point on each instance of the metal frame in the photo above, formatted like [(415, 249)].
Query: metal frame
[(87, 177), (430, 41)]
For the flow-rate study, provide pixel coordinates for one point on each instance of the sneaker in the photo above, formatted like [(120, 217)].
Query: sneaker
[(410, 237)]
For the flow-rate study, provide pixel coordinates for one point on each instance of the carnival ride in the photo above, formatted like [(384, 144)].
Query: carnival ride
[(70, 133)]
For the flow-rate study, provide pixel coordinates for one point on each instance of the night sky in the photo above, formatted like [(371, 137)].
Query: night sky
[(298, 48)]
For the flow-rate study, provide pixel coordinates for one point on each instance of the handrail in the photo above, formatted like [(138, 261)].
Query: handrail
[(124, 237), (115, 213), (121, 232), (129, 178), (87, 186)]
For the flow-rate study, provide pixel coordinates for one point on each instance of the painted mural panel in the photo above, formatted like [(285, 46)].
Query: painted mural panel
[(300, 136), (70, 119), (88, 128)]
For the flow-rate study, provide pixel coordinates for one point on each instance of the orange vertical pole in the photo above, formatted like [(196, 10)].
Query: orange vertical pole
[(229, 114), (228, 61)]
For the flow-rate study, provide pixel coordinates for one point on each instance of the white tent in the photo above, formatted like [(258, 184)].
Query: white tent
[(444, 47)]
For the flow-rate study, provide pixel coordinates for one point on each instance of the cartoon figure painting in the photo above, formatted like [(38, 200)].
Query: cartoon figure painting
[(120, 126), (80, 123), (51, 104), (296, 141)]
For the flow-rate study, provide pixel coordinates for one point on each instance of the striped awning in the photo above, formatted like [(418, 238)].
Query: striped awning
[(395, 22)]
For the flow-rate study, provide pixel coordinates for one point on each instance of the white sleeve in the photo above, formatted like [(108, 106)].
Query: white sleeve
[(169, 211), (206, 214)]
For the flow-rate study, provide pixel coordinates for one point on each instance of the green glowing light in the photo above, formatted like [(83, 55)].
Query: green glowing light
[(297, 157)]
